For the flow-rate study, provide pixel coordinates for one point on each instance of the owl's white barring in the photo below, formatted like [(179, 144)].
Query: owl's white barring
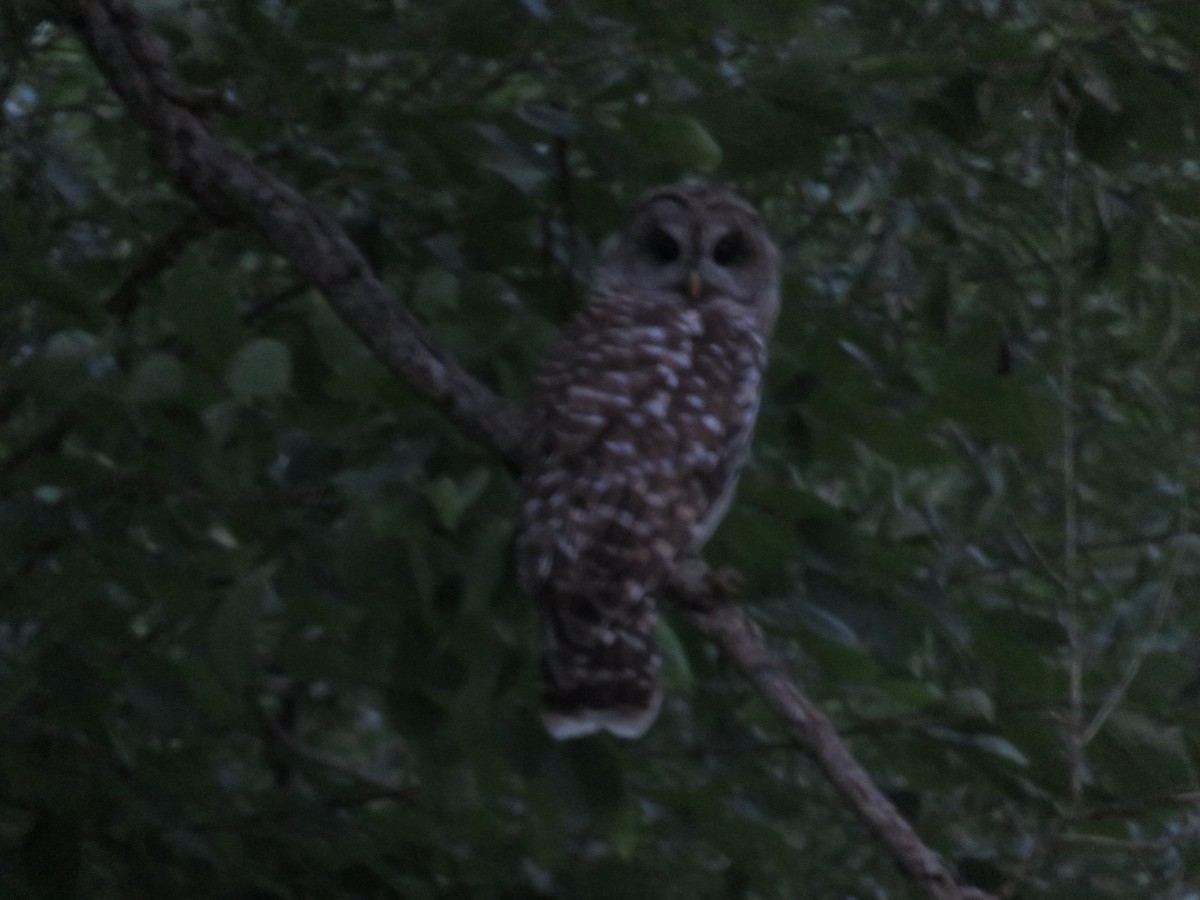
[(643, 410)]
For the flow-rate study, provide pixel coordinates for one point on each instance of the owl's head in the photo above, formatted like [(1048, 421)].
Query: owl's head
[(698, 240)]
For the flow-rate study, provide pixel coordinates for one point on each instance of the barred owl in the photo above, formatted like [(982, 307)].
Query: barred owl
[(643, 409)]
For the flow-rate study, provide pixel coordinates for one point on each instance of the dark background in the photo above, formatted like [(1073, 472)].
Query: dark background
[(259, 633)]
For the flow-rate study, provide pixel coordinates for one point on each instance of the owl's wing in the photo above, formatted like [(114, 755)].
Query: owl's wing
[(645, 408)]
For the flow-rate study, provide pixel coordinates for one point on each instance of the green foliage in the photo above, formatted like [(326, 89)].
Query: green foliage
[(259, 635)]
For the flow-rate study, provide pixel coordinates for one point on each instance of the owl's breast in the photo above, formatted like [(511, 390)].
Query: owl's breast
[(668, 373), (645, 418)]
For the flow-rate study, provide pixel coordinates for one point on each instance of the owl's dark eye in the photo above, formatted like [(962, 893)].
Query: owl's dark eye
[(661, 246), (731, 250)]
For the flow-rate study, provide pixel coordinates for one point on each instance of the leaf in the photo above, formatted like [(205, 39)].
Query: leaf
[(199, 302), (755, 135), (592, 775), (677, 669), (537, 9), (830, 545), (68, 180), (446, 499), (971, 703), (1024, 627), (1161, 679), (551, 119), (450, 499), (677, 139), (485, 569), (231, 633), (1160, 749), (71, 351), (436, 292), (260, 370), (512, 160), (793, 614), (158, 377), (329, 22), (992, 744), (220, 419)]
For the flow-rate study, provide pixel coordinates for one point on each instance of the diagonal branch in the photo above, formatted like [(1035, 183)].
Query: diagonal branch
[(700, 591), (230, 187)]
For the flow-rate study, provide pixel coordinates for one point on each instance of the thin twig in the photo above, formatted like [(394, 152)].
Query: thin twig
[(1047, 564), (155, 259), (1070, 612), (1134, 663), (1114, 844)]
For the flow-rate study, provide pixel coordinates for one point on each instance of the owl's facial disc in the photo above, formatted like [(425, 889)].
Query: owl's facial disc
[(699, 244), (718, 260)]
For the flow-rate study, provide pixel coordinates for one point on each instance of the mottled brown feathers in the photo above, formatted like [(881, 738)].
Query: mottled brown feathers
[(644, 409)]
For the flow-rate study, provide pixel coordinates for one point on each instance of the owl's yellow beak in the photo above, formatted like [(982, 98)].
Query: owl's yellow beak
[(694, 285)]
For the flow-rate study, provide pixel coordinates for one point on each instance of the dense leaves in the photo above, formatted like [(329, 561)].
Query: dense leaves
[(259, 635)]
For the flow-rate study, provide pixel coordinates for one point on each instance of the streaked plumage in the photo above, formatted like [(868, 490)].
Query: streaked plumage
[(644, 409)]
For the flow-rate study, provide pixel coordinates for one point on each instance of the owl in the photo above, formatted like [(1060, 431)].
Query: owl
[(643, 412)]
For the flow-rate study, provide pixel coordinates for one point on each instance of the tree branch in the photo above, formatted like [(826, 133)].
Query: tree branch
[(231, 187), (701, 592), (159, 256)]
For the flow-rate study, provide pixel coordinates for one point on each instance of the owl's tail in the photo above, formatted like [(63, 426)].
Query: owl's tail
[(599, 673)]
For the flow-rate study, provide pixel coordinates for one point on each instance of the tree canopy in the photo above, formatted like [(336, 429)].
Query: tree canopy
[(259, 631)]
